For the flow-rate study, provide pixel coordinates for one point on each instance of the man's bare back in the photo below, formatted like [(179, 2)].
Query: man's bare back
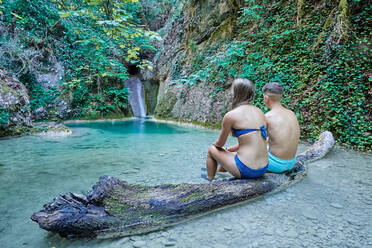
[(282, 128), (283, 131)]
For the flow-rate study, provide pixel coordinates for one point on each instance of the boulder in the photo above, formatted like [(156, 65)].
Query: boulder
[(15, 114)]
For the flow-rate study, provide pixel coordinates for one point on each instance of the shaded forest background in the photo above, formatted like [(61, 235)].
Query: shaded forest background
[(73, 56)]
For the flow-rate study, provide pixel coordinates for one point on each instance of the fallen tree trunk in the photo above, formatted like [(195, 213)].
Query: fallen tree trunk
[(114, 208)]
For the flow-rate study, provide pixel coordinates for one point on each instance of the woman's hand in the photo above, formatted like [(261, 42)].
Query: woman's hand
[(219, 147), (233, 148)]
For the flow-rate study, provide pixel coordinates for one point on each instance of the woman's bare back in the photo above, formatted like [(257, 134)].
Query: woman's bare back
[(252, 146)]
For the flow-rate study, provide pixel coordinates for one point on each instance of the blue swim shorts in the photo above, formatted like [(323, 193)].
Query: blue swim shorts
[(278, 165)]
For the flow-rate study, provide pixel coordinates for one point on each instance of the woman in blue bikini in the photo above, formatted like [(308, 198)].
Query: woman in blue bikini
[(249, 158)]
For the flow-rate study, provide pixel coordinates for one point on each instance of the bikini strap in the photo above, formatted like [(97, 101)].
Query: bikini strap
[(263, 131)]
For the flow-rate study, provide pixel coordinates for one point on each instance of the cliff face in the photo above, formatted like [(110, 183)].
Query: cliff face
[(193, 27), (319, 51), (34, 63), (15, 111)]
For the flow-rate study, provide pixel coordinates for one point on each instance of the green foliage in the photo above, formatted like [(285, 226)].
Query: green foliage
[(104, 32), (155, 12), (326, 79), (39, 96), (215, 67), (251, 12), (1, 7), (36, 17), (4, 117), (43, 97), (119, 97), (94, 39), (111, 101)]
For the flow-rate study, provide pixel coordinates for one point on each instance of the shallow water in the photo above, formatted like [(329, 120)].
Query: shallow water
[(329, 208)]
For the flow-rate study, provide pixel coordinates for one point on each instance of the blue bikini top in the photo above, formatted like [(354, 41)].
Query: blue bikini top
[(238, 132)]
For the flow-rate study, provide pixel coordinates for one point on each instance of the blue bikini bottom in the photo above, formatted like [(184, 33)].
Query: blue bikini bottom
[(246, 172)]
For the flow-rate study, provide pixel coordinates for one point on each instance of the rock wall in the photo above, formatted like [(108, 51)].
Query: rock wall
[(193, 26), (48, 77), (318, 50), (15, 111), (36, 65)]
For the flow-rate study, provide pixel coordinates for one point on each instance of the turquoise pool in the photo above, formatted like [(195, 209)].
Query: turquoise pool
[(330, 208)]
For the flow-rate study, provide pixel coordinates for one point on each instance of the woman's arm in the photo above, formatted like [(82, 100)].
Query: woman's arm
[(227, 124)]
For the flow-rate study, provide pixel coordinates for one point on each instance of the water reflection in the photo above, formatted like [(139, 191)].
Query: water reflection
[(133, 126)]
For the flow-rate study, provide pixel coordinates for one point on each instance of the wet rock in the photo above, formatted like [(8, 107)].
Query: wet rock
[(139, 244), (254, 244), (15, 114), (280, 232), (53, 111), (352, 221), (134, 238), (122, 241), (309, 215), (336, 205), (219, 246), (40, 113), (156, 245), (321, 234), (52, 129), (170, 242), (269, 231)]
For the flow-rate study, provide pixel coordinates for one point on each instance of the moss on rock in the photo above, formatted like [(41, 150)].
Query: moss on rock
[(166, 105)]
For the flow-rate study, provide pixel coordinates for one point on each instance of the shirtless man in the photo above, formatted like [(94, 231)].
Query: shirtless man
[(283, 130)]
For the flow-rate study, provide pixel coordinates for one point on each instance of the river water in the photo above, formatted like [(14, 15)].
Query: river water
[(331, 207)]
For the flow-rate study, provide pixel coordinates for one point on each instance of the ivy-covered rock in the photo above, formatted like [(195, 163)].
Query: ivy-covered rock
[(15, 114), (319, 51), (193, 27)]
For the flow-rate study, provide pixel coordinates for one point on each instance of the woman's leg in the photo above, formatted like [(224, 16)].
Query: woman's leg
[(211, 164), (225, 158), (220, 168)]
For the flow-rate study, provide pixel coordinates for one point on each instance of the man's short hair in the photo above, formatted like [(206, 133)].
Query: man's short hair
[(273, 88)]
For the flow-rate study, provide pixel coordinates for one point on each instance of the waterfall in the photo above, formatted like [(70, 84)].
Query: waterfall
[(135, 87)]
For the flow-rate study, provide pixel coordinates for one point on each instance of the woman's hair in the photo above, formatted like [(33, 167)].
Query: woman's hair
[(243, 92)]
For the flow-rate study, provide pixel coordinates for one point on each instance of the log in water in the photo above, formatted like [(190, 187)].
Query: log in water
[(115, 208)]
